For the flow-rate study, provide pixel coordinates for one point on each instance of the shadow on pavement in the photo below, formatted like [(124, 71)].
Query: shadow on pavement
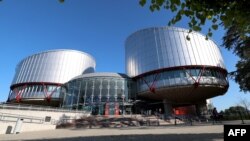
[(149, 137)]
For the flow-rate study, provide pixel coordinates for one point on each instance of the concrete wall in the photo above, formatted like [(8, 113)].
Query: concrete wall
[(26, 127), (34, 120)]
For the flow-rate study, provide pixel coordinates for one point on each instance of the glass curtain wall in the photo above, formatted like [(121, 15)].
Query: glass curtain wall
[(36, 91), (170, 78), (98, 94)]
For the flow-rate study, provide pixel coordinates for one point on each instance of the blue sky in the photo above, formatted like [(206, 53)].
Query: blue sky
[(97, 27)]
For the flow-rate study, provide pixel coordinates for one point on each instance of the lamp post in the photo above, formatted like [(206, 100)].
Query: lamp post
[(99, 108), (123, 96)]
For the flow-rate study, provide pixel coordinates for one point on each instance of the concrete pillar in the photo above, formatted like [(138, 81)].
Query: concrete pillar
[(168, 109), (201, 108)]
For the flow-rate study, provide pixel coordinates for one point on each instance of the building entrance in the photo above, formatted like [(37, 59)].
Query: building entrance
[(112, 108)]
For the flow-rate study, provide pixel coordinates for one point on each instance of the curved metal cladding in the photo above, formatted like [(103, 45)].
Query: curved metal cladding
[(41, 75), (167, 66), (103, 93)]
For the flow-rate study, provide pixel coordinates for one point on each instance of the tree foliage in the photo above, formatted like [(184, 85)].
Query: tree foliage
[(61, 1), (235, 113), (201, 11), (233, 15), (240, 45), (234, 110)]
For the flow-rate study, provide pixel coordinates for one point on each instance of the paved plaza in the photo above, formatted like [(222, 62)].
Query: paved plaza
[(196, 132), (160, 133)]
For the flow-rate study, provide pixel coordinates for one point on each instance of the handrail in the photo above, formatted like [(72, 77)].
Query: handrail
[(19, 116), (27, 119), (38, 108)]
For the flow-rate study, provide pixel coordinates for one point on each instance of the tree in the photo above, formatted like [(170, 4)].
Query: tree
[(235, 112), (233, 15), (233, 40), (246, 104)]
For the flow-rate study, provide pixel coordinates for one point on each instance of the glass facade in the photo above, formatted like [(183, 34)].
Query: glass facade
[(182, 77), (36, 92), (101, 93)]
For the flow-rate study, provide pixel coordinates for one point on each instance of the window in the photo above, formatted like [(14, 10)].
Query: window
[(170, 74), (206, 73), (182, 74), (213, 73), (177, 74), (194, 72)]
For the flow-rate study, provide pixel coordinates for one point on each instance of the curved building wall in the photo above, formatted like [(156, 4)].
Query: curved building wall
[(41, 75), (163, 47), (167, 66), (56, 66), (103, 93)]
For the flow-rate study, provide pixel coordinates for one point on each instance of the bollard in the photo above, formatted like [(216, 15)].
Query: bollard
[(18, 126), (9, 129)]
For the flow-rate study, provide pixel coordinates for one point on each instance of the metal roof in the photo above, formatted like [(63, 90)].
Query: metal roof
[(101, 74)]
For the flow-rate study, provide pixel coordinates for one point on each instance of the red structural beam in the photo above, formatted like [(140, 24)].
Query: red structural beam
[(197, 80), (44, 84), (47, 94), (19, 93), (152, 87)]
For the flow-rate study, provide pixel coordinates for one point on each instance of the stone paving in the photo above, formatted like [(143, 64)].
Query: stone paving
[(196, 132), (158, 133)]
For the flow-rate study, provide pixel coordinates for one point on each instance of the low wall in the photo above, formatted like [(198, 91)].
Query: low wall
[(8, 127), (53, 114), (34, 120)]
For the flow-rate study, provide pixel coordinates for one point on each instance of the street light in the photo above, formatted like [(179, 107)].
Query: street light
[(123, 96), (99, 108)]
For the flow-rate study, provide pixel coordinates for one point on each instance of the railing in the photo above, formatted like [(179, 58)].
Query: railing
[(38, 108), (26, 119)]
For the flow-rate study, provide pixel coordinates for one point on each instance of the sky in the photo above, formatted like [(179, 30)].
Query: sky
[(97, 27)]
